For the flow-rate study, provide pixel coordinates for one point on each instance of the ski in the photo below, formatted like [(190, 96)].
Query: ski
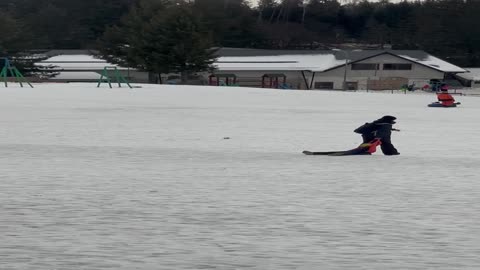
[(362, 149), (321, 153), (353, 152)]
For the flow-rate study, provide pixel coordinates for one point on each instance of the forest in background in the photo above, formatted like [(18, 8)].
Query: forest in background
[(449, 29)]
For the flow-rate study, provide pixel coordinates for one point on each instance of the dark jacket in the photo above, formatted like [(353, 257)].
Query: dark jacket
[(381, 129)]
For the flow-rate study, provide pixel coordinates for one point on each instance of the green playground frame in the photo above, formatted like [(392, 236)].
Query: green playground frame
[(14, 73), (106, 77)]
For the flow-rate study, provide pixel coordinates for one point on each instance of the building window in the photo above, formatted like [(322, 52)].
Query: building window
[(364, 66), (352, 85), (397, 66), (323, 85)]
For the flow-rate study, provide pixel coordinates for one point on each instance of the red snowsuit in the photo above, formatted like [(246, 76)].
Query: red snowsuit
[(445, 98)]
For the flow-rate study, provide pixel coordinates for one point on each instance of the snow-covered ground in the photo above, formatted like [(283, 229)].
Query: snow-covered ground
[(147, 179)]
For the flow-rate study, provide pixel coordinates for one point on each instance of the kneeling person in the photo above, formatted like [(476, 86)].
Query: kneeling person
[(380, 129)]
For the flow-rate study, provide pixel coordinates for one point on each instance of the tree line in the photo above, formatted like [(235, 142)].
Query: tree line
[(145, 33)]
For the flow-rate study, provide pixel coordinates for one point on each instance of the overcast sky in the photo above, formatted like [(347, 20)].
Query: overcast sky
[(391, 1), (254, 2)]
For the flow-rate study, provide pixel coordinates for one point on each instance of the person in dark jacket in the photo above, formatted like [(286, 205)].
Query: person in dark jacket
[(380, 129)]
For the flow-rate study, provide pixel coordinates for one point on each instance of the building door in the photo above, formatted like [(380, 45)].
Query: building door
[(352, 85)]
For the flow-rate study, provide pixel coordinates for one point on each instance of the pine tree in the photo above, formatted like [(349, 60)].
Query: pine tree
[(180, 43), (170, 39), (231, 22), (11, 33), (15, 45)]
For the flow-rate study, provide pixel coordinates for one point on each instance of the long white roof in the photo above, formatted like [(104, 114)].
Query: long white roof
[(435, 63), (472, 74), (77, 62), (318, 61), (475, 73), (83, 75)]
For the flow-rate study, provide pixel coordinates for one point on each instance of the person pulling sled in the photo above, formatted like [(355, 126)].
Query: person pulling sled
[(380, 129), (376, 133)]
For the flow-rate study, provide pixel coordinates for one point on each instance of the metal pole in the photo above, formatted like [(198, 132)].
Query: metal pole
[(345, 73), (311, 82), (305, 80)]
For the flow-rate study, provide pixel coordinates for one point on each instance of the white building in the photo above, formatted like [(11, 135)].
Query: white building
[(293, 69), (357, 69), (82, 66), (472, 76)]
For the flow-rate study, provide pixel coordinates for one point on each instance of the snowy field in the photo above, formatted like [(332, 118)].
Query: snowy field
[(146, 179)]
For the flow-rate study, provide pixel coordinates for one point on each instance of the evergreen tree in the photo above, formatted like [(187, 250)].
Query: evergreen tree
[(447, 28), (354, 18), (376, 32), (232, 22), (266, 10), (14, 45), (470, 33), (321, 17), (160, 38), (181, 44), (10, 37), (124, 43)]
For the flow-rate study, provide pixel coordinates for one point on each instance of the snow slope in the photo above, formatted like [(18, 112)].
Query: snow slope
[(145, 179)]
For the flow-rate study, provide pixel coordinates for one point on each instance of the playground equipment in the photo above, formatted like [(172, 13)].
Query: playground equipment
[(222, 79), (13, 71), (273, 80), (107, 76)]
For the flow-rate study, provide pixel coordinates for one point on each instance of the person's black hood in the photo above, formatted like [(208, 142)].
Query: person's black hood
[(387, 119)]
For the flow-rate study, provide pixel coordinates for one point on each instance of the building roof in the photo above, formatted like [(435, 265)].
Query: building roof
[(84, 75), (76, 62), (278, 62), (317, 60), (472, 74), (51, 53), (235, 59)]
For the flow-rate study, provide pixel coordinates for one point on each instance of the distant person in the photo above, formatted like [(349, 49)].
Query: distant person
[(380, 129), (444, 97), (443, 87)]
